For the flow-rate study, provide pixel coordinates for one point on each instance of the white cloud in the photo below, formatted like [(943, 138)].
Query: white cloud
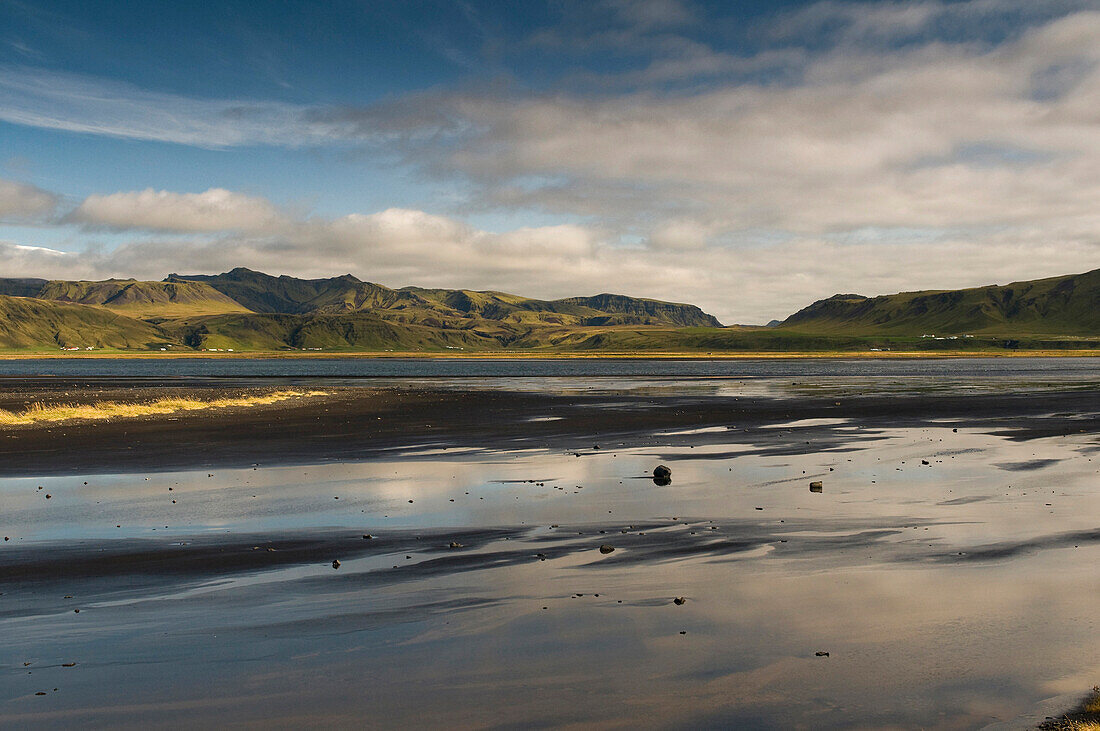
[(22, 260), (914, 145), (22, 202), (398, 247), (216, 209)]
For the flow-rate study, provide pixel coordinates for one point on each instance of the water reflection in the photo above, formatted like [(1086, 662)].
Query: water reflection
[(949, 575)]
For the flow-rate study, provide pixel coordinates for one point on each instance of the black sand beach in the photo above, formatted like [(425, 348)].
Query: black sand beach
[(396, 554), (351, 423)]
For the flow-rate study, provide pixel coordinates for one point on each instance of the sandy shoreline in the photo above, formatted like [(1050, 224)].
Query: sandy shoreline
[(431, 555), (361, 422)]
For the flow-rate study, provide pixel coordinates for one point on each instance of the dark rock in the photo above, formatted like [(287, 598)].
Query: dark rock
[(456, 544), (821, 653), (606, 548), (660, 472), (679, 601), (816, 486), (367, 537), (336, 563)]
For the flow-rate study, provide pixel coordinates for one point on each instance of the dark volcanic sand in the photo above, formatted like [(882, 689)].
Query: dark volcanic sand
[(355, 423), (952, 594)]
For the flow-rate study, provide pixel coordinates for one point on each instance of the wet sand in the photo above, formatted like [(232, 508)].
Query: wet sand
[(359, 422), (947, 567)]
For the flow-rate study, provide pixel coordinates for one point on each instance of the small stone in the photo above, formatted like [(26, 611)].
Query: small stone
[(336, 563), (679, 601), (821, 653), (456, 544), (367, 536), (816, 486), (661, 472), (605, 548)]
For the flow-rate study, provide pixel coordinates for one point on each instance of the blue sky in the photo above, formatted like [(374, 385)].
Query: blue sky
[(746, 156)]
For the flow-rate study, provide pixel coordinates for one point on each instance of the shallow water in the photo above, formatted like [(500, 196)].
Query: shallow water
[(951, 594)]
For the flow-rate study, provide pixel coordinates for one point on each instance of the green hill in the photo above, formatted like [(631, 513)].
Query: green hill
[(1062, 306), (245, 311), (438, 307), (41, 325), (261, 292), (130, 296), (359, 331)]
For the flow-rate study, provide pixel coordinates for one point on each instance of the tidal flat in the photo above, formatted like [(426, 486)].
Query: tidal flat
[(423, 548)]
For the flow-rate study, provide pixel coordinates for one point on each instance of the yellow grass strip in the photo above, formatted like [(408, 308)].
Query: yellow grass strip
[(39, 412)]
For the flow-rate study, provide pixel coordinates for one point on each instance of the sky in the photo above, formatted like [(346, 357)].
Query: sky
[(746, 156)]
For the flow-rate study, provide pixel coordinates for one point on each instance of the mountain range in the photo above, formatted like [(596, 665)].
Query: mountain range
[(1066, 305), (245, 310), (249, 310)]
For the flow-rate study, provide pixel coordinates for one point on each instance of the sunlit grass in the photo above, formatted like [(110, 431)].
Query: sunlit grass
[(40, 412)]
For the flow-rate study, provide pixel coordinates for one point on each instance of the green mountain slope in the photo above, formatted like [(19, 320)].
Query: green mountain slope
[(1068, 305), (345, 314), (42, 325), (129, 296), (360, 331), (261, 292), (438, 307)]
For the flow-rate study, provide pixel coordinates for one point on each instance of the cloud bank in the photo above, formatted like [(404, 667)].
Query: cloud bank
[(22, 202), (850, 147)]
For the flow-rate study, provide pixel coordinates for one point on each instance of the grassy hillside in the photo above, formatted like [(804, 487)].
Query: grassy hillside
[(1062, 306), (129, 296), (261, 292), (41, 325), (345, 314), (438, 307), (355, 331)]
